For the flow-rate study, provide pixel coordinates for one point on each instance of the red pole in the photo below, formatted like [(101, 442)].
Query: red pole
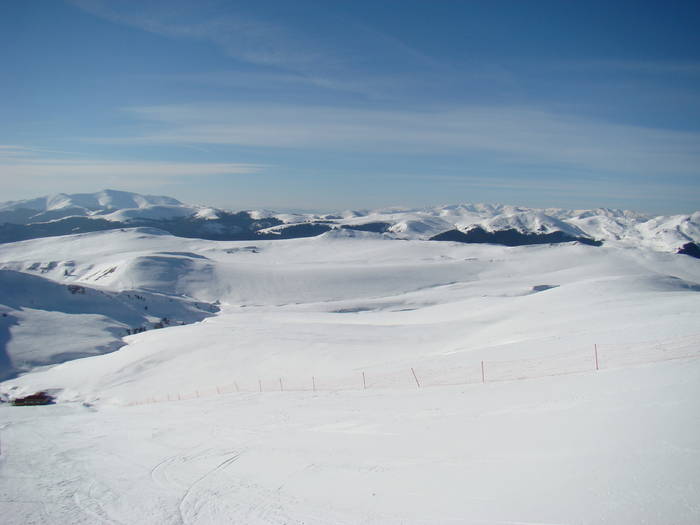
[(415, 377), (483, 372), (595, 350)]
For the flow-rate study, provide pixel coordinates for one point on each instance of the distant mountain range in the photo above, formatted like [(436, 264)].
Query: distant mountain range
[(65, 214)]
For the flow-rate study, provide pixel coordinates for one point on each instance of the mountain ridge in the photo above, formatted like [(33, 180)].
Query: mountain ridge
[(64, 214)]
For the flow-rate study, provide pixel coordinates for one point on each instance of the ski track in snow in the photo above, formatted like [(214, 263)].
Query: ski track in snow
[(89, 504), (187, 508)]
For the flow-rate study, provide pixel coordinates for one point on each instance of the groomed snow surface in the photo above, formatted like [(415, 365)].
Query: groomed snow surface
[(545, 439)]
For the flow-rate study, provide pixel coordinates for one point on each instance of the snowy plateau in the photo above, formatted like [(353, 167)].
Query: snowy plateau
[(468, 364)]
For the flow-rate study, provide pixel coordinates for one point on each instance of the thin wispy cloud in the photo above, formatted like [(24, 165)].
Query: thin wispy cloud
[(82, 168), (24, 168), (654, 67), (646, 190), (270, 83), (514, 134), (320, 58), (241, 35), (13, 151)]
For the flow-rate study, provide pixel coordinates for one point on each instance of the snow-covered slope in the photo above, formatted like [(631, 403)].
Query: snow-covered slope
[(43, 322), (617, 447), (88, 203), (67, 297), (347, 299), (298, 401)]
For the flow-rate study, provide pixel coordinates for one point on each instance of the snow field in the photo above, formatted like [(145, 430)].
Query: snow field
[(332, 307), (617, 447)]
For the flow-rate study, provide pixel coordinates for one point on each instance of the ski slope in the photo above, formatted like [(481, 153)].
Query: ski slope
[(303, 320), (614, 447)]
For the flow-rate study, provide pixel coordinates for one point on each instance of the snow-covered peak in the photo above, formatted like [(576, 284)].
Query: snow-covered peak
[(111, 205), (209, 214), (531, 221), (102, 200), (108, 200)]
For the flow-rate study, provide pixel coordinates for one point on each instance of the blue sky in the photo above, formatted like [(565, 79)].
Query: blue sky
[(354, 104)]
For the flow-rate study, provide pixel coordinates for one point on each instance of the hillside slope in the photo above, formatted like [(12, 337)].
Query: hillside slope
[(334, 304), (44, 323)]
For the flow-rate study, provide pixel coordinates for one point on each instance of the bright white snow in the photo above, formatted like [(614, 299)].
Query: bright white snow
[(618, 445)]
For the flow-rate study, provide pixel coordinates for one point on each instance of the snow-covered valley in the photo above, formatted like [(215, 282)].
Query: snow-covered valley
[(354, 376)]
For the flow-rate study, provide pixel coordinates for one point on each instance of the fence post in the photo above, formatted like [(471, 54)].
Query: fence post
[(364, 381), (483, 372), (415, 377), (260, 384), (313, 383), (197, 392), (281, 389), (595, 353), (236, 385), (218, 390)]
